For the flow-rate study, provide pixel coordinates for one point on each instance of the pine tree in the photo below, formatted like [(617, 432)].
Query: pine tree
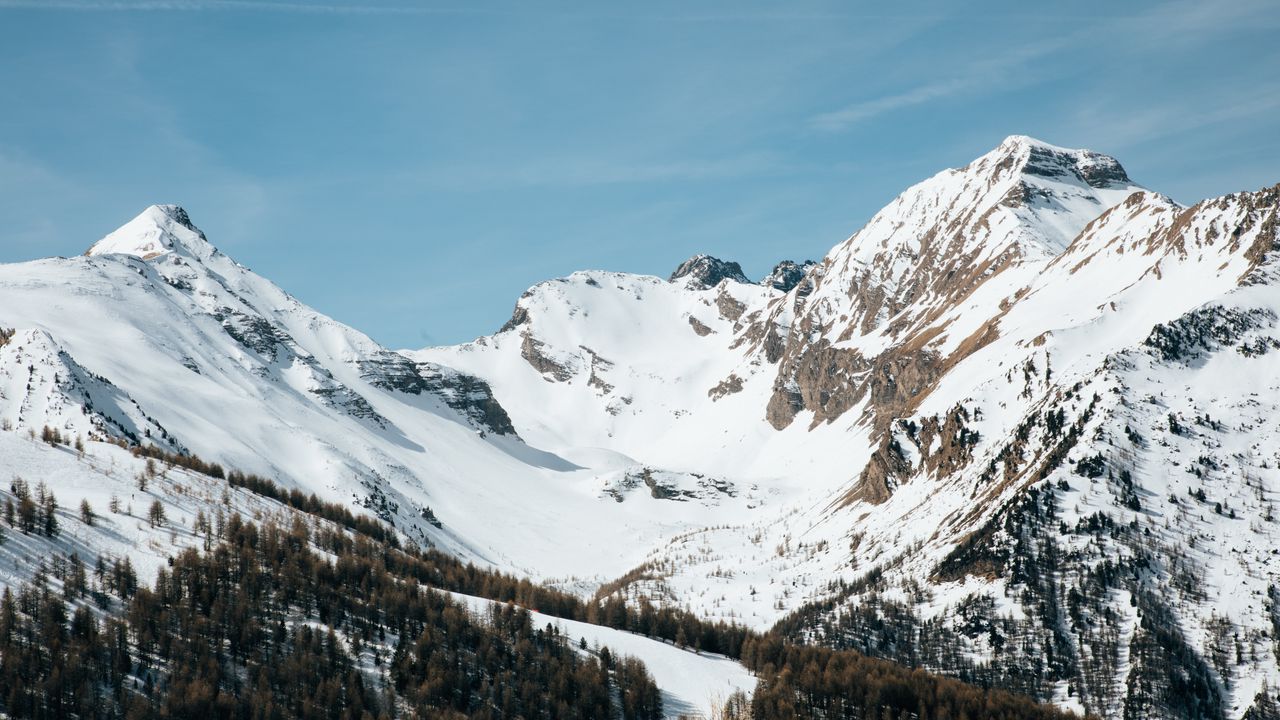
[(27, 512), (49, 515), (156, 513), (86, 513)]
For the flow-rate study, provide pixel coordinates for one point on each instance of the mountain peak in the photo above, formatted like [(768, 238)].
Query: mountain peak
[(1020, 141), (1037, 158), (158, 230), (787, 274), (708, 271)]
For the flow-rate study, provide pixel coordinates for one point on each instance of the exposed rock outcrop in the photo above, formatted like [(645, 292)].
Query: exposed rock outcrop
[(705, 272), (787, 274)]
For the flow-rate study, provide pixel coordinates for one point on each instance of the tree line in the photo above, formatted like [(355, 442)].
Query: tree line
[(264, 627)]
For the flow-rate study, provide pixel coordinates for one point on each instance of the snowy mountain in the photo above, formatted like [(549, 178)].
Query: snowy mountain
[(156, 337), (1018, 428), (1014, 429)]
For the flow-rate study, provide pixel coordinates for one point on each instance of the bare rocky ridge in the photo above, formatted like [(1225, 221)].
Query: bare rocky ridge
[(467, 394)]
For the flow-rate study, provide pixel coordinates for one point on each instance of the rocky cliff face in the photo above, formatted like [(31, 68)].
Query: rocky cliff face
[(871, 326)]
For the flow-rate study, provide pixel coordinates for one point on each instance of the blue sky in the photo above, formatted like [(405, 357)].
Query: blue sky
[(411, 168)]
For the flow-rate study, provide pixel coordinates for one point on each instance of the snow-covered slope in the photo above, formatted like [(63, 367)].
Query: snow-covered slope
[(693, 684), (656, 370), (97, 475), (106, 476), (154, 336), (960, 418)]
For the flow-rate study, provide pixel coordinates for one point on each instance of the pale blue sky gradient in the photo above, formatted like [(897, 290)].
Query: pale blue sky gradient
[(411, 168)]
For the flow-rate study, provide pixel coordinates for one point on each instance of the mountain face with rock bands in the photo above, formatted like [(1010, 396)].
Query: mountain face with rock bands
[(1021, 428)]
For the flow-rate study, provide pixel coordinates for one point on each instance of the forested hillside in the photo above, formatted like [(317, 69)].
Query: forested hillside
[(316, 613)]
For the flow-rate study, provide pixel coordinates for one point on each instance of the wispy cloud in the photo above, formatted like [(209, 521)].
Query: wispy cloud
[(258, 5), (573, 172), (997, 72), (855, 113), (1186, 20), (597, 12), (1176, 115), (1198, 20)]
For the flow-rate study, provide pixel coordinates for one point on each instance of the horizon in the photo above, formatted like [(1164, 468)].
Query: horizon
[(623, 141)]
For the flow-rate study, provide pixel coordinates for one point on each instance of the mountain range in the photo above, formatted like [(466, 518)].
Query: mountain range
[(1020, 428)]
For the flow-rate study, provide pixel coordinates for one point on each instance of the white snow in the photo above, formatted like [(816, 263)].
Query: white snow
[(692, 683)]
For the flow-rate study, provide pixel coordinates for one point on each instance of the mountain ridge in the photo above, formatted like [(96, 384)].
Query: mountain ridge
[(985, 435), (971, 351)]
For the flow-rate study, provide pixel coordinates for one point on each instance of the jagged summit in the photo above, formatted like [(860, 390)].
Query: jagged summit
[(787, 274), (158, 230), (1033, 157), (707, 271), (1024, 199)]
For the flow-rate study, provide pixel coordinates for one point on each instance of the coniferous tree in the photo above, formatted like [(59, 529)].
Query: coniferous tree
[(48, 515), (27, 512), (156, 513)]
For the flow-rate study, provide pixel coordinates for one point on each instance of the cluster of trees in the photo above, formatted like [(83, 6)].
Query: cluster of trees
[(264, 626), (54, 436), (1074, 634), (32, 514), (674, 625), (189, 461), (447, 572), (310, 504), (805, 681)]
